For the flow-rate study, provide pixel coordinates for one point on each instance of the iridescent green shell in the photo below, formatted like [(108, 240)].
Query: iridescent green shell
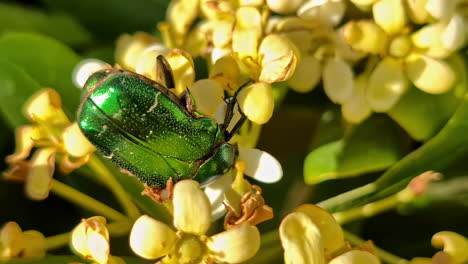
[(147, 131)]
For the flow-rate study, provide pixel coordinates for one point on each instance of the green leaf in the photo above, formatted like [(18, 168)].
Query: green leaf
[(421, 114), (16, 87), (15, 18), (110, 18), (47, 61), (330, 127), (372, 146)]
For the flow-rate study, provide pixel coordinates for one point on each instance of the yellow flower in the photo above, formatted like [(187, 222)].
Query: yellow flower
[(406, 57), (311, 235), (324, 55), (51, 133), (14, 243), (152, 239), (454, 249), (90, 240)]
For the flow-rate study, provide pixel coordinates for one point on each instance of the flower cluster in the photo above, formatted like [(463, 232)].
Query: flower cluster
[(53, 134)]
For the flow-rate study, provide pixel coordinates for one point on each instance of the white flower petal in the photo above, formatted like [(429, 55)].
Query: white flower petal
[(301, 240), (331, 232), (215, 193), (356, 257), (260, 165), (338, 80), (151, 239), (192, 209), (329, 11), (453, 37), (430, 75), (356, 109), (86, 68), (235, 245), (386, 84)]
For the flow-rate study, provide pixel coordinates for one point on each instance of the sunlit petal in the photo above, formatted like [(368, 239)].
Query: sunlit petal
[(260, 165), (11, 240), (453, 37), (366, 36), (183, 69), (86, 68), (146, 63), (256, 102), (39, 179), (25, 137), (356, 257), (235, 245), (75, 143), (440, 9), (284, 6), (215, 193), (430, 75), (301, 240), (129, 48), (329, 11), (452, 243), (390, 15), (151, 239), (45, 107), (247, 32), (192, 209), (208, 95), (416, 10), (331, 233)]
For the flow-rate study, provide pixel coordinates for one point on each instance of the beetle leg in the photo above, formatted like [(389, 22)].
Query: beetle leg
[(237, 126), (230, 112), (164, 72)]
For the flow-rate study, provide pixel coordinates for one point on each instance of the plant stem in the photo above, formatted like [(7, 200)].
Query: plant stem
[(374, 208), (382, 254), (70, 194), (57, 241), (347, 196), (122, 196)]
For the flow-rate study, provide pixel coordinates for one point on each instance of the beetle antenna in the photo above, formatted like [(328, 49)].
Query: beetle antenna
[(237, 126), (164, 72), (230, 111)]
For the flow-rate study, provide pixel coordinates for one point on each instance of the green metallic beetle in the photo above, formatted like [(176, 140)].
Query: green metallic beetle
[(149, 132)]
